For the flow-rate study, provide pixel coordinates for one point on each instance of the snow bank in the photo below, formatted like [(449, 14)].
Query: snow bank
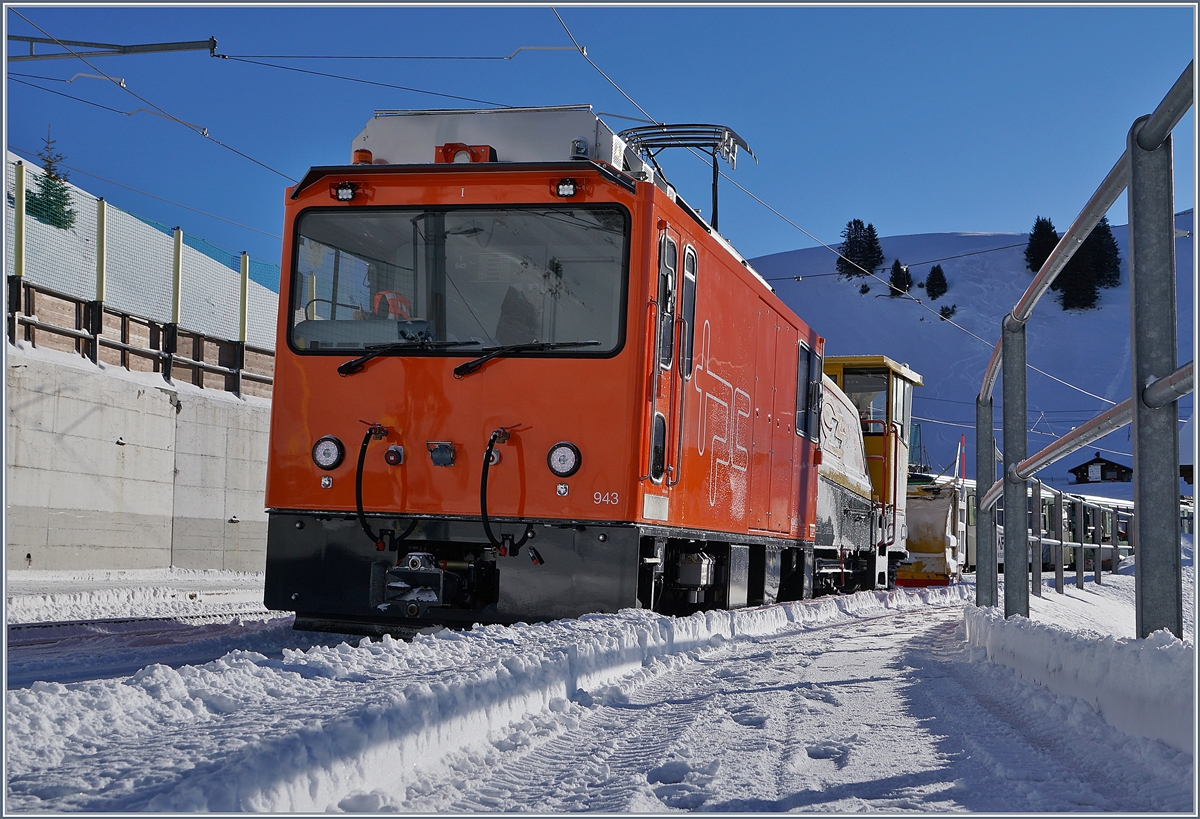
[(1141, 687), (329, 721), (42, 596)]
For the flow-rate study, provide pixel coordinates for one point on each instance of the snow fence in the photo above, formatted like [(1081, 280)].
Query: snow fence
[(1141, 687)]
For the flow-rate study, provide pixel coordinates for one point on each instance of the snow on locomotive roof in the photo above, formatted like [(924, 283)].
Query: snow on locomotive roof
[(533, 134), (550, 134)]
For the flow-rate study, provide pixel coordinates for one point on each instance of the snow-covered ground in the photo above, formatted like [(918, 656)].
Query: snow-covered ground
[(874, 702)]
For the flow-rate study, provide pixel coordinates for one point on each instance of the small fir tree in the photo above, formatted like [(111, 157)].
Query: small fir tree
[(864, 290), (901, 280), (1104, 257), (948, 311), (873, 253), (1076, 287), (935, 283), (1042, 240), (859, 253), (51, 202), (1096, 264)]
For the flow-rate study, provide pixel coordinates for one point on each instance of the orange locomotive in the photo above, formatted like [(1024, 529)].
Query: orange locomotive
[(518, 378)]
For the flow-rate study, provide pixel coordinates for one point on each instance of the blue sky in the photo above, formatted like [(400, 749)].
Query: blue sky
[(918, 120)]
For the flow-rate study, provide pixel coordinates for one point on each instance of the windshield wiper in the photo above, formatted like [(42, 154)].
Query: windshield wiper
[(508, 349), (351, 367)]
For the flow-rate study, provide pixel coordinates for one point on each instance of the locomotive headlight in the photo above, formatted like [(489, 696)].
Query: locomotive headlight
[(563, 459), (567, 187), (328, 452)]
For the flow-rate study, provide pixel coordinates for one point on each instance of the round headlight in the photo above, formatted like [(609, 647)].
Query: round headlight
[(563, 459), (328, 452), (462, 157)]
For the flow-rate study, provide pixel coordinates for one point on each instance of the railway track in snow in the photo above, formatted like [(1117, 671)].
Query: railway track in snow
[(33, 634), (103, 648)]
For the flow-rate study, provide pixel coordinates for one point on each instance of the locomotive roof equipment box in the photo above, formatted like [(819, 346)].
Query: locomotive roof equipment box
[(550, 134)]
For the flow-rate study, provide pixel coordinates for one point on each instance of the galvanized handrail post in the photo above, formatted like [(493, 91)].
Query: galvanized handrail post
[(1098, 545), (1059, 535), (1035, 542), (1081, 538), (986, 580), (1155, 536), (1016, 524)]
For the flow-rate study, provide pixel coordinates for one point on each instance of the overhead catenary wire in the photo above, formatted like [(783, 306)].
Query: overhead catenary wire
[(360, 80), (194, 128), (909, 295), (998, 429), (592, 63), (71, 97), (107, 108), (910, 264), (119, 81)]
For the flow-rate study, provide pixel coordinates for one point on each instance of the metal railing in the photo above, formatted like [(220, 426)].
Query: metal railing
[(34, 311), (1145, 169)]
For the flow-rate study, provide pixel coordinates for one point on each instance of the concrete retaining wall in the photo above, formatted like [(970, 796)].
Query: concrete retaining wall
[(108, 469)]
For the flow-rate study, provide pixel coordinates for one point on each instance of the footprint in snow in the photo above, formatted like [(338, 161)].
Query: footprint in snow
[(836, 750), (747, 716), (683, 784)]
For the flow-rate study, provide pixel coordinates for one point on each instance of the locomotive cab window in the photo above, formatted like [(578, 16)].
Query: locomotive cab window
[(902, 407), (668, 260), (477, 278), (688, 313), (658, 448), (868, 391), (808, 392)]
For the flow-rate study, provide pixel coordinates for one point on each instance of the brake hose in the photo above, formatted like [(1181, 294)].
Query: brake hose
[(373, 430), (497, 434)]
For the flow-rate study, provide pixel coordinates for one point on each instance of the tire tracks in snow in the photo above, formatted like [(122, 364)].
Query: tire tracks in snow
[(1031, 749), (740, 712)]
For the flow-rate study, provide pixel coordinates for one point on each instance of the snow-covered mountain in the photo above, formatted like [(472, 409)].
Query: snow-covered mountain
[(986, 275)]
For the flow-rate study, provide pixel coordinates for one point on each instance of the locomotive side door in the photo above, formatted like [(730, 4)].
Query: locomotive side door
[(761, 422), (685, 334), (664, 381)]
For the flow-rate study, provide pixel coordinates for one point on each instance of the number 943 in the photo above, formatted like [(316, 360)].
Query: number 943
[(605, 497)]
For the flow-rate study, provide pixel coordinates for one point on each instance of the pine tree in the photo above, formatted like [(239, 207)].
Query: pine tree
[(873, 253), (51, 202), (851, 249), (948, 311), (1078, 291), (1096, 264), (859, 252), (1042, 240), (901, 280), (1104, 257), (935, 283)]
